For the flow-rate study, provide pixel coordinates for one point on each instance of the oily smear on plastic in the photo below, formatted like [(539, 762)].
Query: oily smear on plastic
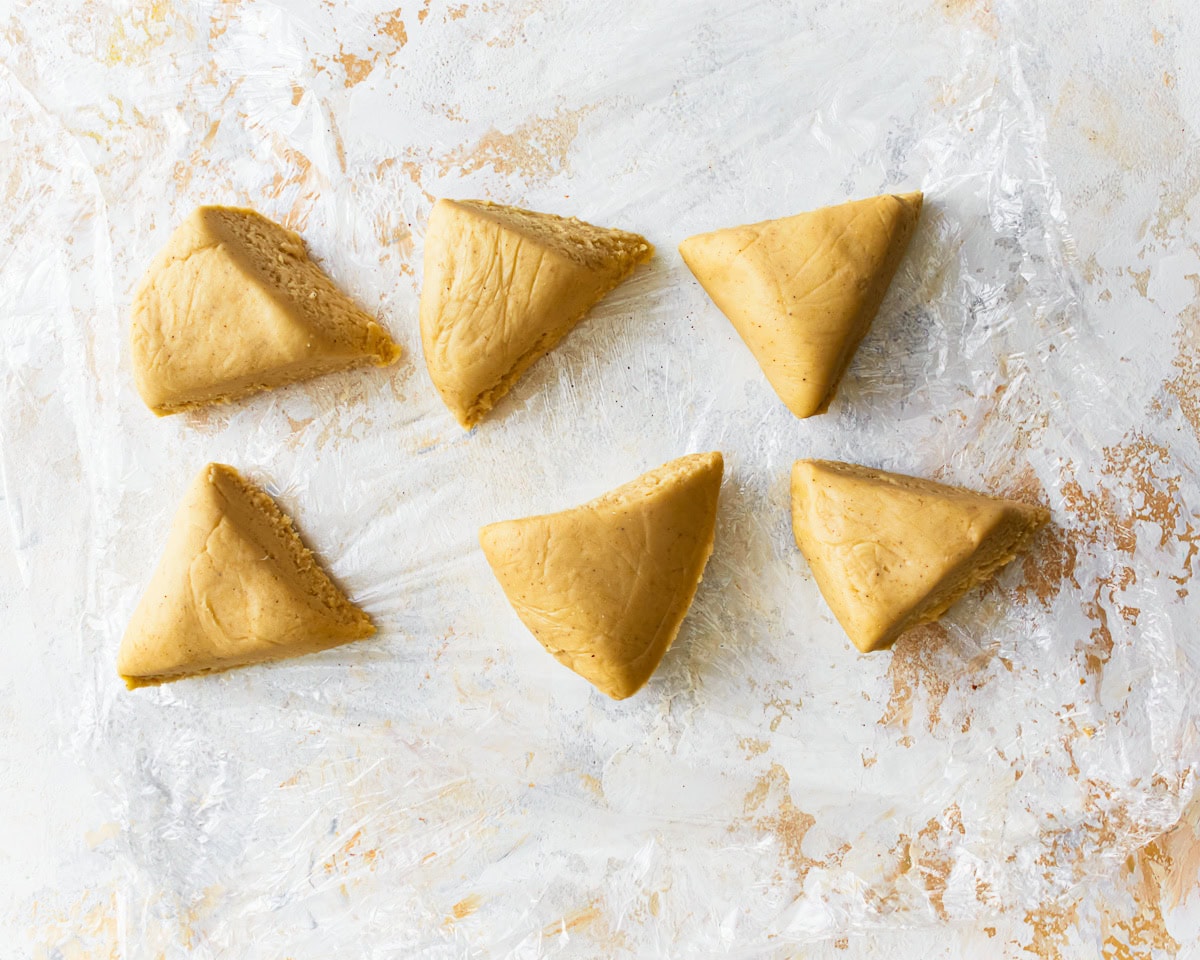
[(447, 789)]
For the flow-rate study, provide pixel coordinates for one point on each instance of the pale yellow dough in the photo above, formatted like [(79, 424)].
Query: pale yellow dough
[(235, 586), (502, 287), (605, 586), (233, 305), (802, 291), (890, 552)]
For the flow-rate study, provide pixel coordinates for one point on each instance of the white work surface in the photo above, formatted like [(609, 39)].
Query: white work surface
[(1004, 784)]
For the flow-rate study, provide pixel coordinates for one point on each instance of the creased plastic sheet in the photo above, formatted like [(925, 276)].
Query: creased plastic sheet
[(447, 789)]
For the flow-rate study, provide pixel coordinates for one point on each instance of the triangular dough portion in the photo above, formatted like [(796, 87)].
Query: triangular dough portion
[(235, 586), (890, 552), (605, 586), (502, 287), (233, 305), (802, 291)]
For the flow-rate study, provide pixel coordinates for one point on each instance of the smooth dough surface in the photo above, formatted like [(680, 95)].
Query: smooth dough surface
[(502, 287), (233, 305), (890, 552), (605, 586), (235, 586), (802, 291)]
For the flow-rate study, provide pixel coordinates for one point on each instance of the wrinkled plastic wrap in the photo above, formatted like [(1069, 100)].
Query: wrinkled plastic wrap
[(446, 789)]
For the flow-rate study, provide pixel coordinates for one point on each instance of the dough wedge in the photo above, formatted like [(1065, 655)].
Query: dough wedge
[(502, 287), (802, 291), (235, 586), (890, 552), (605, 586), (233, 305)]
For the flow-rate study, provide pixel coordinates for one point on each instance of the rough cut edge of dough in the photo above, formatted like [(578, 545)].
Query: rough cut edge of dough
[(585, 243), (280, 259), (996, 552)]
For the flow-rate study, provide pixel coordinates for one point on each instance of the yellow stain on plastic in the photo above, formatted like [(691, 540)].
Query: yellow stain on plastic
[(464, 908), (85, 930), (536, 149), (391, 24), (103, 833), (137, 33)]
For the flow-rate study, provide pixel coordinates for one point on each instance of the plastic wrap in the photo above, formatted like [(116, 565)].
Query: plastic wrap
[(447, 789)]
